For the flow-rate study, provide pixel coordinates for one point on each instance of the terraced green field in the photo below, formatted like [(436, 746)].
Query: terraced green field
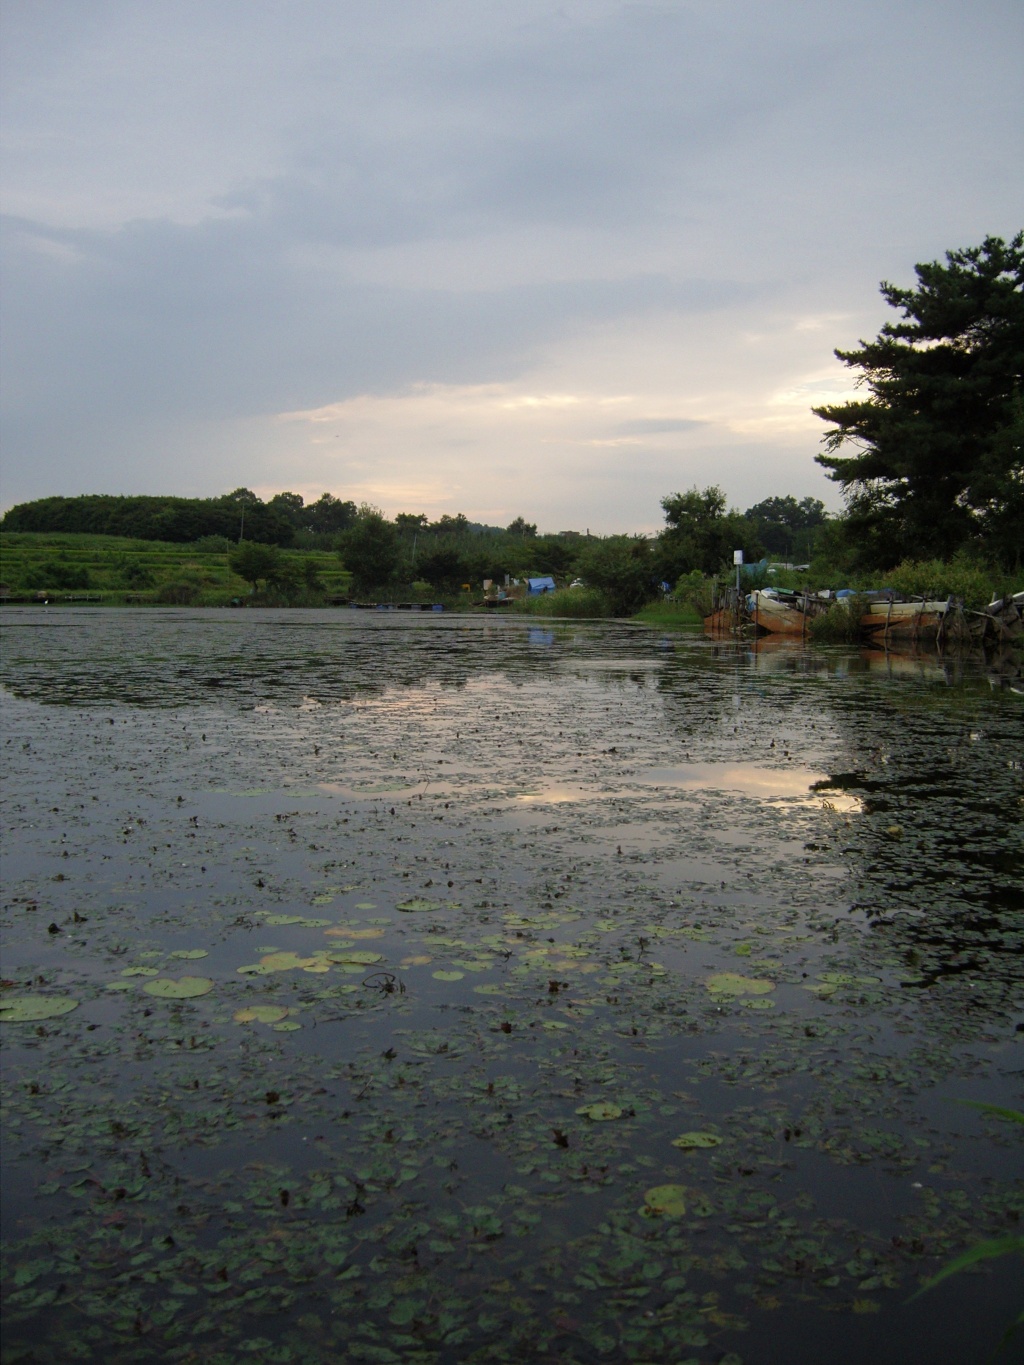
[(65, 567)]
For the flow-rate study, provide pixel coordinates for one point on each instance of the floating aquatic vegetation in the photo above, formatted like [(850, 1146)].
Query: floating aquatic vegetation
[(691, 1142), (184, 988), (665, 1201), (601, 1111), (260, 1014), (26, 1009), (730, 984)]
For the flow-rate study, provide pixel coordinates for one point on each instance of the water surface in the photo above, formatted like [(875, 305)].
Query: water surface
[(490, 919)]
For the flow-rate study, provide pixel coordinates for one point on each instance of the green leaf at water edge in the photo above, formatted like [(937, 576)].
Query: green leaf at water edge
[(996, 1110), (984, 1251)]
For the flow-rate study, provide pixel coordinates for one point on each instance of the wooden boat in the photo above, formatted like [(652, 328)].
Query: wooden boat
[(788, 613), (920, 620)]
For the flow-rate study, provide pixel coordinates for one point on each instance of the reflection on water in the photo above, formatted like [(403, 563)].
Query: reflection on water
[(488, 927)]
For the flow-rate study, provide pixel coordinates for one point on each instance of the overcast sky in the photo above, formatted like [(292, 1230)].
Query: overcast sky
[(556, 258)]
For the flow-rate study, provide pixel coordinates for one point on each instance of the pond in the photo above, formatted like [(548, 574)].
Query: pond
[(435, 990)]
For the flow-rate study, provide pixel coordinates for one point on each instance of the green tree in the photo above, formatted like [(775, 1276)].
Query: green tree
[(702, 534), (370, 549), (785, 526), (624, 569), (932, 458), (253, 562), (329, 515), (522, 528)]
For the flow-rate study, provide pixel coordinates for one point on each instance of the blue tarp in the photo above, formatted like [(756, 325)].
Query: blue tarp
[(536, 586)]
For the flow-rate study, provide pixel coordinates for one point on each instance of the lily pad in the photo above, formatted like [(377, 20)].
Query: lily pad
[(601, 1111), (278, 962), (732, 984), (307, 922), (190, 953), (288, 1026), (260, 1014), (185, 988), (141, 971), (447, 976), (25, 1009), (416, 904), (690, 1142), (665, 1201), (360, 955)]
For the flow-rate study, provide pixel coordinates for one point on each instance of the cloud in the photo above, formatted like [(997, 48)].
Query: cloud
[(222, 213), (657, 426)]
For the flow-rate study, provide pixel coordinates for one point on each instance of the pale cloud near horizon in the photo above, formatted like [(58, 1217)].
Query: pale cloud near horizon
[(549, 260)]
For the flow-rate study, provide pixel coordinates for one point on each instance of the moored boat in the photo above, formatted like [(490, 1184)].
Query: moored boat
[(785, 613), (917, 620)]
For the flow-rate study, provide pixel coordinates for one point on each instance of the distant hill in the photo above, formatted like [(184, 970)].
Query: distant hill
[(180, 520)]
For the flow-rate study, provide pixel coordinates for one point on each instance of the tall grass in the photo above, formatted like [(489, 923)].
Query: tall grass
[(840, 624), (585, 603)]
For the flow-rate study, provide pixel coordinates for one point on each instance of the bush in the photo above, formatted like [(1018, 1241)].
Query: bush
[(134, 574), (697, 592), (55, 573), (178, 594), (212, 545), (622, 569), (840, 624), (932, 578)]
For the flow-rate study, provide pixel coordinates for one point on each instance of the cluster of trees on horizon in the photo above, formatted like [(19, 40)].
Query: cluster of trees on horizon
[(937, 471)]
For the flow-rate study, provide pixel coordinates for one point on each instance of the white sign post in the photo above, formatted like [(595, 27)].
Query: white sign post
[(737, 559)]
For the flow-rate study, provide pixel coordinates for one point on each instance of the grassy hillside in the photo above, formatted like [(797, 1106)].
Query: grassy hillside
[(117, 570)]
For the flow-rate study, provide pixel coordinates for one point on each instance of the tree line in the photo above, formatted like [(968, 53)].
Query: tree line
[(930, 460)]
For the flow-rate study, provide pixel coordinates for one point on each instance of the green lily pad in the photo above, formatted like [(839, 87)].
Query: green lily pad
[(417, 903), (690, 1142), (665, 1201), (447, 976), (492, 988), (276, 921), (141, 971), (732, 984), (190, 953), (601, 1111), (288, 1026), (278, 962), (359, 955), (185, 988), (260, 1014), (120, 986), (25, 1009)]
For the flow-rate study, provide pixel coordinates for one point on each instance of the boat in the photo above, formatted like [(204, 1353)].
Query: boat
[(919, 619), (785, 613)]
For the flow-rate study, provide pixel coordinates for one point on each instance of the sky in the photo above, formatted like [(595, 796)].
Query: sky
[(555, 259)]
